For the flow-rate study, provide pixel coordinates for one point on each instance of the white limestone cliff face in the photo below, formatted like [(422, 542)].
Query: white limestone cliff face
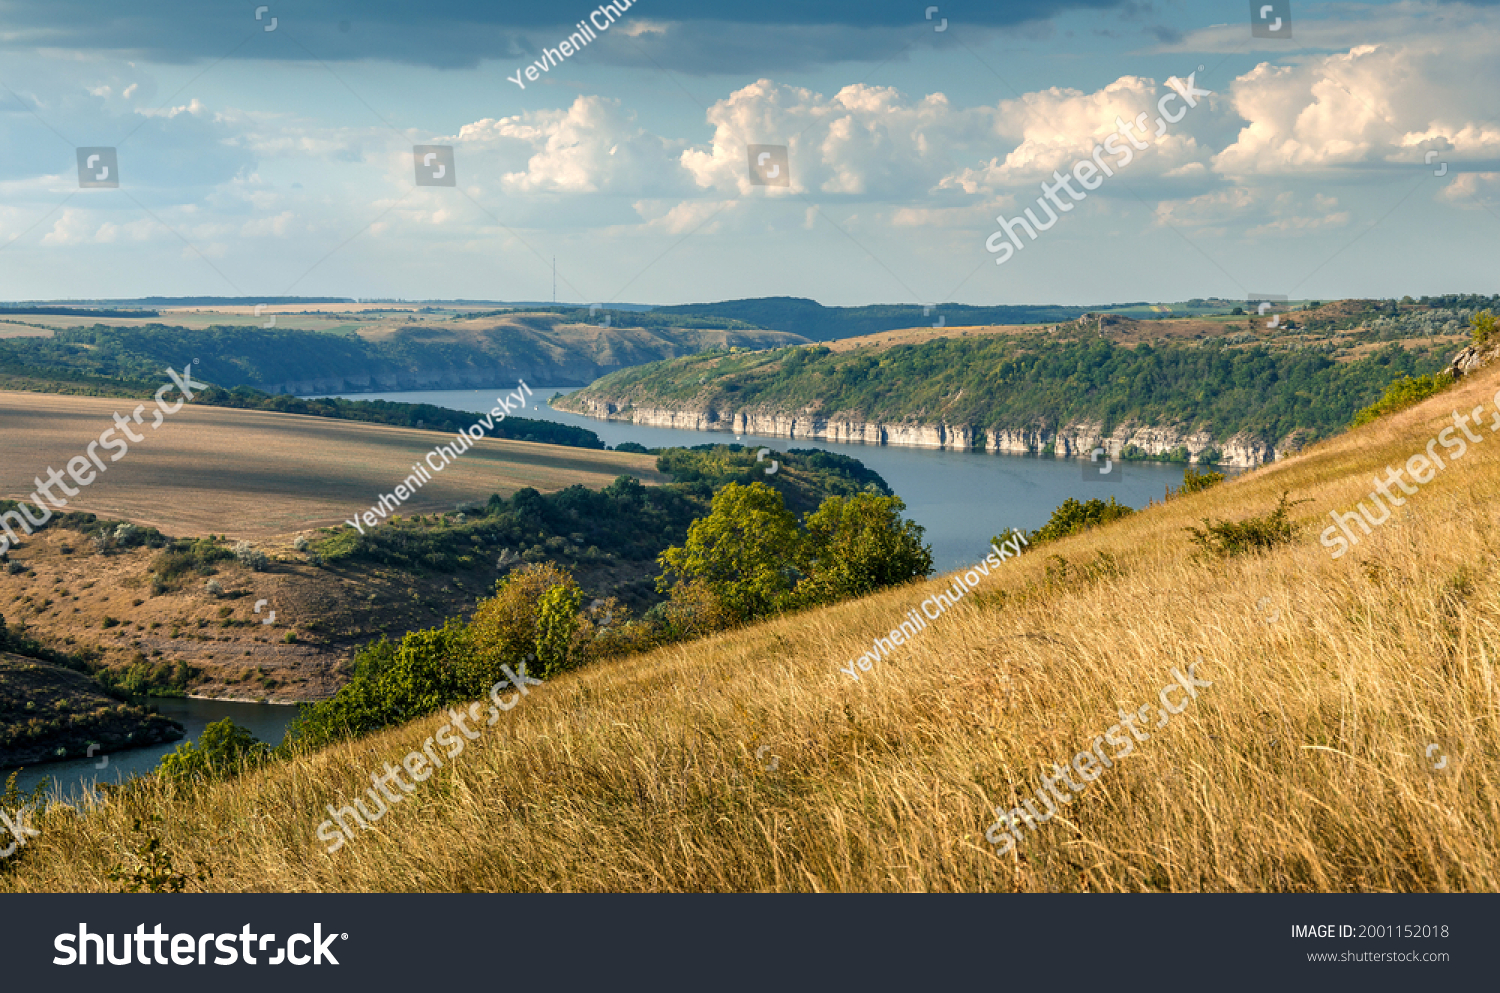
[(1075, 440)]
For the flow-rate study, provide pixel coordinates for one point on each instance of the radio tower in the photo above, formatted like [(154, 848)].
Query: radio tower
[(554, 280)]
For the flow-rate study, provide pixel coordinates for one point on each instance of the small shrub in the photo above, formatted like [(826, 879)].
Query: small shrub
[(1224, 539), (301, 544), (224, 749), (183, 557), (1484, 328), (1073, 517), (251, 557), (214, 588), (109, 622), (154, 872), (1193, 482)]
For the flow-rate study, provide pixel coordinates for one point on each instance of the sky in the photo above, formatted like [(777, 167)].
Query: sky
[(268, 149)]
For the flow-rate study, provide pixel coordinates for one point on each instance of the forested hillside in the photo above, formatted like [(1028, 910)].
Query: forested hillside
[(550, 349), (1026, 382), (811, 319)]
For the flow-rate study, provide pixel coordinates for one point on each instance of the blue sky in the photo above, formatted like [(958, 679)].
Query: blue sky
[(257, 162)]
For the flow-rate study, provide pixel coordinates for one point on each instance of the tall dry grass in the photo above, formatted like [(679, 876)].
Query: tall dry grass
[(1302, 768)]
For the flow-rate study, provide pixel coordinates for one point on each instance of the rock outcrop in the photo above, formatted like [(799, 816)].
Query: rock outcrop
[(1073, 440), (1472, 358)]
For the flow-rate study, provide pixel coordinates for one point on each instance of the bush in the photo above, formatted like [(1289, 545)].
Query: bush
[(533, 615), (1194, 482), (1073, 517), (183, 557), (1408, 391), (393, 684), (251, 557), (1225, 539), (556, 624), (224, 750), (1484, 329), (301, 544)]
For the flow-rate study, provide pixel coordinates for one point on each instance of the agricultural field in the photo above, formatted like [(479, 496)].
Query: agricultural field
[(257, 474)]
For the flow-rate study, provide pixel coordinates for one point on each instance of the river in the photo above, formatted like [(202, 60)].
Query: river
[(266, 721), (961, 498)]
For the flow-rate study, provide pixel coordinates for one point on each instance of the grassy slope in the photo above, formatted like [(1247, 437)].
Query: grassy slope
[(1301, 768)]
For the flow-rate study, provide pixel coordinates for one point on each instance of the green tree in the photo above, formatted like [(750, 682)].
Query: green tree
[(534, 612), (743, 550), (556, 623), (1484, 329), (857, 545), (224, 749)]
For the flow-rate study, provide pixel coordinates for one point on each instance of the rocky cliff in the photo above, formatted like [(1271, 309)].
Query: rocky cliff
[(1473, 357), (1074, 439)]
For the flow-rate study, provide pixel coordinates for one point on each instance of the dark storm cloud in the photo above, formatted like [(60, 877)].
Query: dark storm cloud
[(749, 35)]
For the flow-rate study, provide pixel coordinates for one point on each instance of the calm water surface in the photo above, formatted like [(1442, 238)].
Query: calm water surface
[(266, 721), (962, 498)]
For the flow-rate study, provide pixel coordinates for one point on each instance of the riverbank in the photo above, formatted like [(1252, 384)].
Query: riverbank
[(190, 715), (1074, 440), (49, 713), (1237, 403)]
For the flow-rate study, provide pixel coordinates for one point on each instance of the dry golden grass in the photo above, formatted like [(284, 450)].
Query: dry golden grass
[(1301, 769), (251, 473)]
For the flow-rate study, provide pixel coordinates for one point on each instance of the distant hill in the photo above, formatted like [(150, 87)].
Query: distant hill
[(80, 306), (544, 349), (816, 322), (1050, 393), (75, 312)]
